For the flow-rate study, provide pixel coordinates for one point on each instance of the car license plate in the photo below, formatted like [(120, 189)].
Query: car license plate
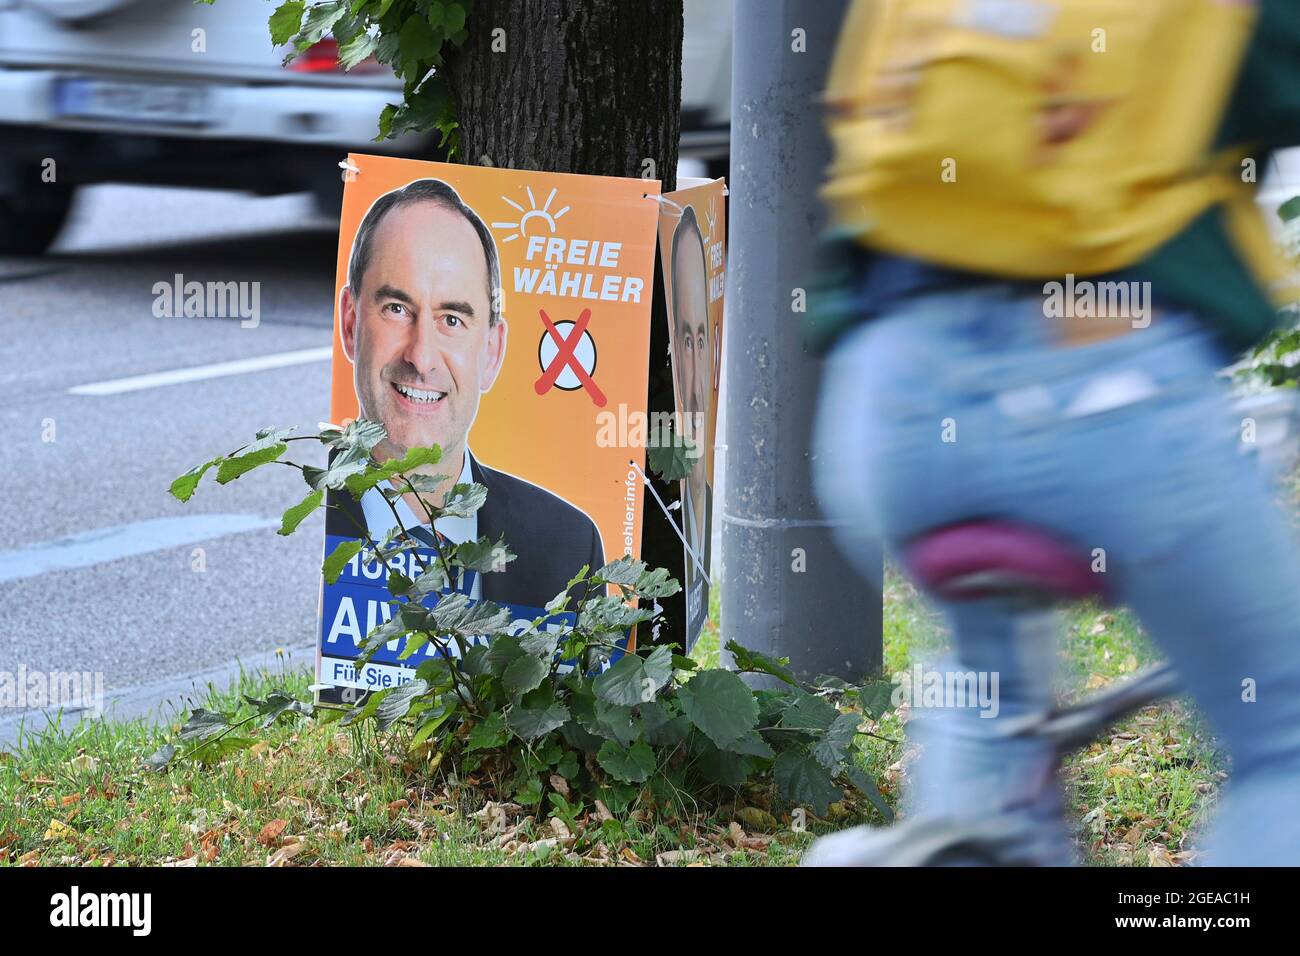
[(123, 101)]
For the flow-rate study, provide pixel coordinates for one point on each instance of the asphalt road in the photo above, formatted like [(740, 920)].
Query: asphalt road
[(92, 579)]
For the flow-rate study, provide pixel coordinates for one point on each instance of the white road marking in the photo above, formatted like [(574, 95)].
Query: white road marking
[(198, 373), (86, 548)]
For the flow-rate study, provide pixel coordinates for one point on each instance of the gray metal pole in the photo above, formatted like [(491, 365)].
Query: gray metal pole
[(824, 617)]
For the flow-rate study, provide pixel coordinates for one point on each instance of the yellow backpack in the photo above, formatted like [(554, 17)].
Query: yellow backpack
[(1033, 138)]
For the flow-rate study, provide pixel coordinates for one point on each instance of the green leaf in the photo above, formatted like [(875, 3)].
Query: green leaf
[(278, 703), (867, 787), (463, 501), (578, 737), (503, 652), (453, 17), (295, 515), (525, 673), (487, 734), (476, 661), (457, 613), (161, 758), (430, 724), (418, 457), (626, 570), (633, 680), (610, 612), (484, 555), (537, 715), (1289, 210), (876, 698), (634, 764), (338, 559), (232, 468), (213, 750), (753, 661), (204, 724), (674, 461), (320, 19), (360, 435), (809, 714), (396, 702), (803, 782), (386, 117), (184, 486), (720, 705), (656, 584), (285, 21), (833, 749), (417, 44), (753, 745), (723, 767)]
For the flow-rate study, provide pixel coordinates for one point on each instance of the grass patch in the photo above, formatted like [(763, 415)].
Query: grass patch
[(314, 793)]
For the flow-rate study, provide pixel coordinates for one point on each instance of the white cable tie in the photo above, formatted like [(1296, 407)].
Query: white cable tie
[(663, 201), (691, 551)]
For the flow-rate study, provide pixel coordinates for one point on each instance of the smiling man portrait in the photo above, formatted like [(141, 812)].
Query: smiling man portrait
[(420, 318)]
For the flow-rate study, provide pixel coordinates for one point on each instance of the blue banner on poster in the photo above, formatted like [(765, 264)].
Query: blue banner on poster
[(360, 601)]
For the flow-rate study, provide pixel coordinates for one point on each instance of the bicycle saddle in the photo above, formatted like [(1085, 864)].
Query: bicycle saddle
[(983, 558)]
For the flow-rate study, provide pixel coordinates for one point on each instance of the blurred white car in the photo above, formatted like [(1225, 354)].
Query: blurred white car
[(170, 92)]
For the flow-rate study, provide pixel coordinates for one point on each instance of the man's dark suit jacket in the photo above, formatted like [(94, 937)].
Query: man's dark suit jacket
[(551, 537)]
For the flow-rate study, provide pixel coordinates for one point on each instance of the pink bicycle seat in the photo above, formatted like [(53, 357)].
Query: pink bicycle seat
[(975, 559)]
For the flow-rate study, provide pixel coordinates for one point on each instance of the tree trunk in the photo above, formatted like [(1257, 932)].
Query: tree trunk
[(571, 86), (593, 87)]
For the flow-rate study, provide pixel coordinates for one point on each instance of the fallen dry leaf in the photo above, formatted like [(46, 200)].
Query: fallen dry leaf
[(282, 856), (1159, 856), (560, 785), (58, 830), (496, 816), (673, 857), (270, 834)]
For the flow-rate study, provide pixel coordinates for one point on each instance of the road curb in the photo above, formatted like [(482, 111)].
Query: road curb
[(158, 701)]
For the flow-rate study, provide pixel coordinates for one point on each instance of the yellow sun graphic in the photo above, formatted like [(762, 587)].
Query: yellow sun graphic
[(532, 212)]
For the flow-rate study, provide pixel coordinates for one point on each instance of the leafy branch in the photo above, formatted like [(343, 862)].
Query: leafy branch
[(568, 695), (410, 36)]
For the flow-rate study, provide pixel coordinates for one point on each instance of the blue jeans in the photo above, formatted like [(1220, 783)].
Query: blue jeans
[(960, 405)]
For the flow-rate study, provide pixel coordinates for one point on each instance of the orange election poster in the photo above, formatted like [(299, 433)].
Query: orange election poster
[(495, 313)]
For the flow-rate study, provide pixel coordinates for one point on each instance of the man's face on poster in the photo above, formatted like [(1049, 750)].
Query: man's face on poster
[(692, 356), (417, 329)]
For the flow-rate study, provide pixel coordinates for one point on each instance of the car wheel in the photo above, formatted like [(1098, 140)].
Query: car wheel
[(30, 220)]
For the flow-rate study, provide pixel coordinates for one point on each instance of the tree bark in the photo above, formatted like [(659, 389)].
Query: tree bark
[(581, 86)]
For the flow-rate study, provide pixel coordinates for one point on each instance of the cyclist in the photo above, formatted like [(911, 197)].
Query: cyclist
[(966, 395)]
